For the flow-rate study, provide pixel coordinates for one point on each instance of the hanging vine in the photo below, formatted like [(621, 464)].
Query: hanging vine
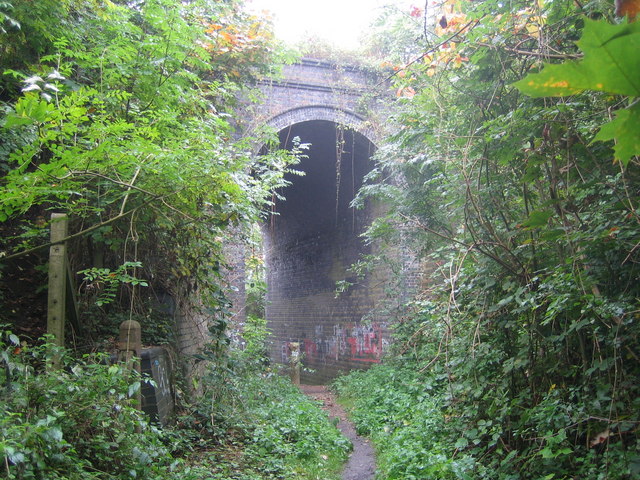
[(339, 151)]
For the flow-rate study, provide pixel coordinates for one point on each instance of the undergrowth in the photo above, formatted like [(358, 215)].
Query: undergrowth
[(73, 418), (421, 431)]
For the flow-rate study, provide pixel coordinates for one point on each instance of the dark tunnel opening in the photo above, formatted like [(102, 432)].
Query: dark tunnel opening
[(319, 201), (310, 244)]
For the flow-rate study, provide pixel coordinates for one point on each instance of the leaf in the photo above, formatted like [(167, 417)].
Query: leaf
[(547, 453), (53, 435), (610, 64), (625, 129), (55, 75), (14, 120), (31, 88), (33, 80), (461, 443), (133, 388), (537, 219), (552, 235)]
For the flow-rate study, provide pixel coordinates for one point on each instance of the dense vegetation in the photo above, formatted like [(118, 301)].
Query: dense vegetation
[(519, 357), (515, 184), (119, 114), (78, 422)]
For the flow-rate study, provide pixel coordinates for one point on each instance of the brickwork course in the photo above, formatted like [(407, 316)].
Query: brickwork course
[(315, 236)]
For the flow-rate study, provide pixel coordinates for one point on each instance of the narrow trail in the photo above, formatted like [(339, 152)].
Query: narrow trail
[(362, 462)]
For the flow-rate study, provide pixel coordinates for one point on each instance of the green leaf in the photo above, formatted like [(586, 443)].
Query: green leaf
[(14, 120), (552, 235), (461, 443), (537, 218), (610, 64), (133, 388), (546, 452), (625, 128)]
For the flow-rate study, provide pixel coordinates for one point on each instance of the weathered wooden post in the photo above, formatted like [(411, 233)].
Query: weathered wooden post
[(57, 278), (294, 362), (130, 350)]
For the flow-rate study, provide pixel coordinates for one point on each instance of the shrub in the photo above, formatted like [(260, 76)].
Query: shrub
[(65, 418)]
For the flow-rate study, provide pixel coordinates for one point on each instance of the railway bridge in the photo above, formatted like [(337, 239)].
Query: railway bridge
[(315, 236)]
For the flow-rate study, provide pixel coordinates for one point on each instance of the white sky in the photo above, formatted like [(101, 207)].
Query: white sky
[(340, 22)]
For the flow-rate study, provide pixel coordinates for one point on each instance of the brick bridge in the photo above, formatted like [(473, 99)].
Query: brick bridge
[(315, 236)]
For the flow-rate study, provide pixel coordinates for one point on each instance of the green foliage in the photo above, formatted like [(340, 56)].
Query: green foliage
[(623, 129), (255, 276), (120, 115), (522, 350), (404, 417), (74, 422), (610, 64), (106, 282), (291, 434), (5, 19), (275, 431), (255, 335)]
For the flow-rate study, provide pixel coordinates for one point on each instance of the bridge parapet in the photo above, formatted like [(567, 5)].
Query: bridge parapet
[(319, 90)]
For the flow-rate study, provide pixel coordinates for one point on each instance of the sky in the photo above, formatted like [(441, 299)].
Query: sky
[(340, 22)]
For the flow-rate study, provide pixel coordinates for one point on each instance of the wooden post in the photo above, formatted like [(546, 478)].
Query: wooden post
[(294, 362), (57, 278), (130, 350)]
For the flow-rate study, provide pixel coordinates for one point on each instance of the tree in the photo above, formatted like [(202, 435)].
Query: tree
[(119, 114), (527, 333)]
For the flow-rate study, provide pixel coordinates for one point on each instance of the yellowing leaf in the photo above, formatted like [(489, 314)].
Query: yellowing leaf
[(611, 64)]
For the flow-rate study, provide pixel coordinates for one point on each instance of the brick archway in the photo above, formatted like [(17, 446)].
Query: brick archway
[(322, 112)]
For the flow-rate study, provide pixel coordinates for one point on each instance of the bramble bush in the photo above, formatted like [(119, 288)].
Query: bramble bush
[(66, 418)]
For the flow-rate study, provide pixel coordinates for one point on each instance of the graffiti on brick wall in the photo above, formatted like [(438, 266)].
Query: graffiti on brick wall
[(347, 341)]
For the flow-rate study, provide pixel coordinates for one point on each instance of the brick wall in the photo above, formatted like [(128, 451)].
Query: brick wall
[(315, 237), (310, 245), (317, 90)]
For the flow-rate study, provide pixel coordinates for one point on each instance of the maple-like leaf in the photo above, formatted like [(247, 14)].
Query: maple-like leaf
[(610, 64), (625, 129)]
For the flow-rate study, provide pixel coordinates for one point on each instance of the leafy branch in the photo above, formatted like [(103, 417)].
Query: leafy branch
[(610, 64)]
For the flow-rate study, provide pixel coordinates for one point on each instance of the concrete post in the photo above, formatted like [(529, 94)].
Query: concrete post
[(57, 278), (130, 350), (294, 362)]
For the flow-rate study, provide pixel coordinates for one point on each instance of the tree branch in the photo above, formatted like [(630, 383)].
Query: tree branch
[(431, 50), (567, 56), (71, 237)]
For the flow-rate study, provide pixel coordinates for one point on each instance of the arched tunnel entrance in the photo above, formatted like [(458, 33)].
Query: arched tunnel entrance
[(310, 244)]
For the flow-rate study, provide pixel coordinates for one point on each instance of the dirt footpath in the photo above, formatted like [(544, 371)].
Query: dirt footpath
[(362, 462)]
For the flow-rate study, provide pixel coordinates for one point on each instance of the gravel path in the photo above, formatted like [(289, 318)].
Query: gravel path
[(362, 462)]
